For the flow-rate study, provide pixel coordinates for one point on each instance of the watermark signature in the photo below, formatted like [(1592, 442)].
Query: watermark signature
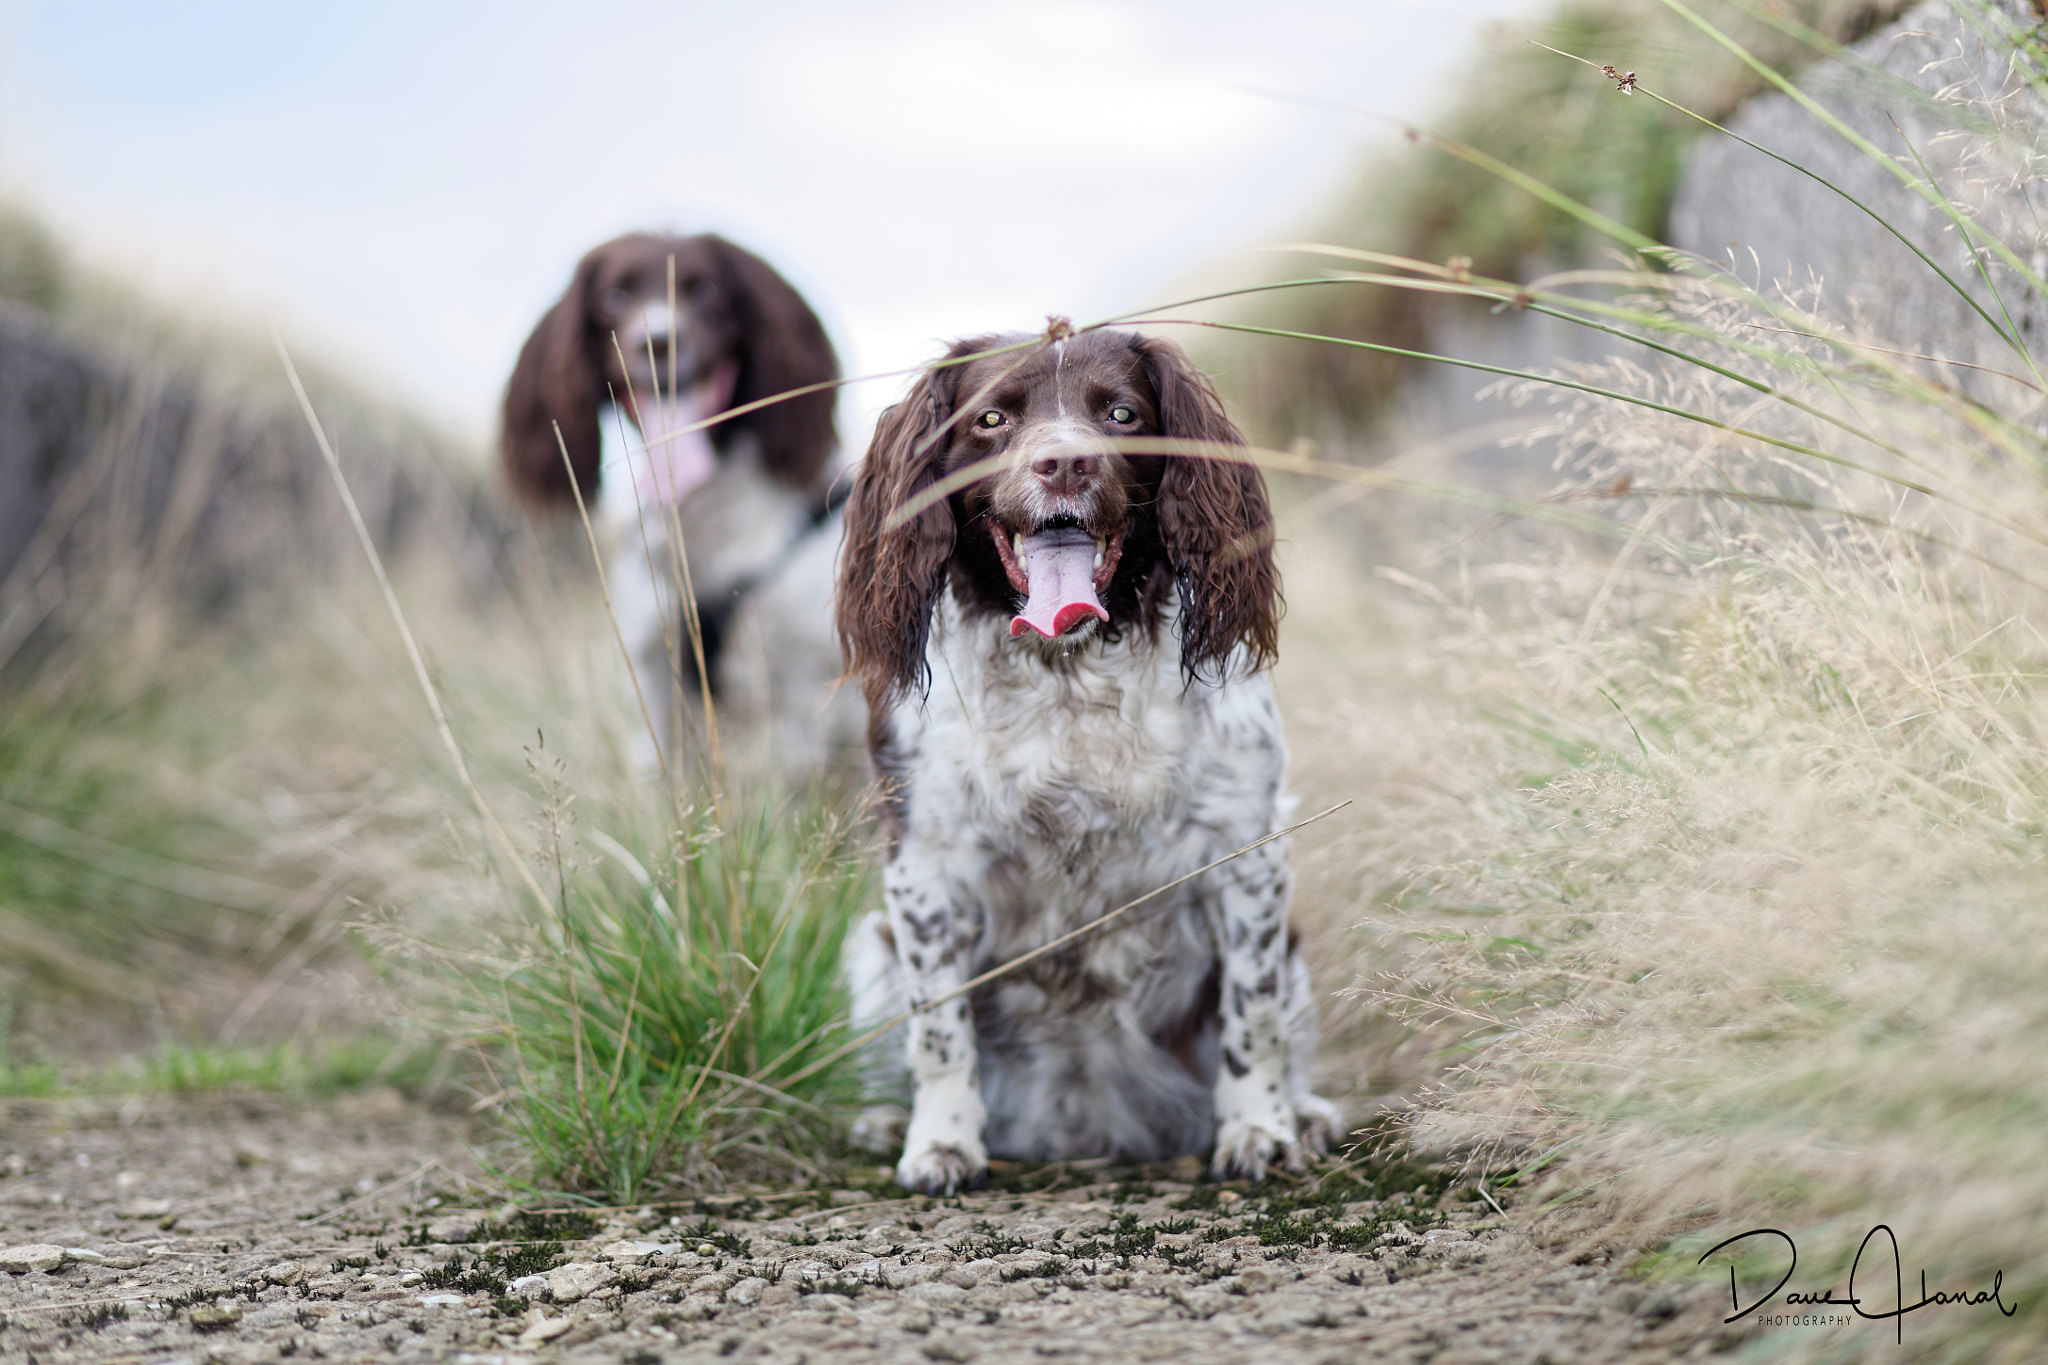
[(1807, 1302)]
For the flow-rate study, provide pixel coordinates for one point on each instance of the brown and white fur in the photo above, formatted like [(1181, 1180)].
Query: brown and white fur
[(1037, 777), (674, 330)]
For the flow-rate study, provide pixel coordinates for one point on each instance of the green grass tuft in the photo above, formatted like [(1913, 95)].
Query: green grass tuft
[(643, 1032)]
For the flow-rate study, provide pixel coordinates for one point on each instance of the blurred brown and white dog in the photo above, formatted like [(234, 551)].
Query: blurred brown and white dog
[(1064, 663), (673, 330)]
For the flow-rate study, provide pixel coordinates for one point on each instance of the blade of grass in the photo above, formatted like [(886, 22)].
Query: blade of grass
[(412, 650), (1529, 297), (605, 591), (1955, 217), (1746, 433), (1289, 462)]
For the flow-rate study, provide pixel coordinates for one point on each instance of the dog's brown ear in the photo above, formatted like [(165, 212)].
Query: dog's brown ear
[(1214, 521), (559, 379), (890, 578), (781, 346)]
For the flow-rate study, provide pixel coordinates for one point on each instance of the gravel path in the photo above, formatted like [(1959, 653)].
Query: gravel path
[(253, 1230)]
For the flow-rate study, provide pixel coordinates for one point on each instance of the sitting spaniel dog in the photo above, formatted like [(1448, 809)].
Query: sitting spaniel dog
[(1064, 663), (674, 330)]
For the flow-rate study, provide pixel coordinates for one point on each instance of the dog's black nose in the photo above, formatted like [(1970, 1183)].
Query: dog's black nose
[(1066, 471)]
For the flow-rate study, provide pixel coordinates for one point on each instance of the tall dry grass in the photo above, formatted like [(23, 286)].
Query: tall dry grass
[(212, 766), (1703, 847)]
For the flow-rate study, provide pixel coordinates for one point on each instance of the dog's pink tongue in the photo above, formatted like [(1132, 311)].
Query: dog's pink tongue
[(679, 461), (1059, 566)]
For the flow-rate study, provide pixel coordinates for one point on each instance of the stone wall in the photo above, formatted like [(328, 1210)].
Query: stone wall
[(1933, 75)]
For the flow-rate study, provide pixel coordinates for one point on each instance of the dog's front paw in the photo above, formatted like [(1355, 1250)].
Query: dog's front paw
[(942, 1167), (1244, 1151)]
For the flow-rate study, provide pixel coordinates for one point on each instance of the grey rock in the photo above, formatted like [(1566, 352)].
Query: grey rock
[(635, 1250), (747, 1291), (936, 1292), (578, 1279), (284, 1272), (902, 1277), (527, 1286), (715, 1283), (544, 1329), (213, 1317), (836, 1254), (35, 1256), (996, 1291)]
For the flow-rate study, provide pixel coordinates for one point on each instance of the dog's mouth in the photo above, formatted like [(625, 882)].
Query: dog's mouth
[(1062, 570), (679, 460)]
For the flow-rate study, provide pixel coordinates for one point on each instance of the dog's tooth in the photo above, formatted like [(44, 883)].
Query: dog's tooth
[(1017, 543), (1101, 549)]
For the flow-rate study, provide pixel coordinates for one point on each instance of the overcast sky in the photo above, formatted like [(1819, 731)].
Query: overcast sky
[(405, 187)]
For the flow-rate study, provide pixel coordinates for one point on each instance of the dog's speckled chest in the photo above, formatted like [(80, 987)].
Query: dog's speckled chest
[(1048, 793)]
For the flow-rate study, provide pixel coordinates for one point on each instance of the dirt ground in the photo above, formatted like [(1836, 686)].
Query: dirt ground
[(361, 1229)]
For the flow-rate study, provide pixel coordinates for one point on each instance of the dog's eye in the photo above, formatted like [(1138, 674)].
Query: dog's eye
[(991, 418), (1122, 415), (701, 291)]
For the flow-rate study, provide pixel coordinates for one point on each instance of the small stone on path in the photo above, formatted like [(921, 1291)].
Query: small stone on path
[(545, 1329), (576, 1280), (26, 1260)]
